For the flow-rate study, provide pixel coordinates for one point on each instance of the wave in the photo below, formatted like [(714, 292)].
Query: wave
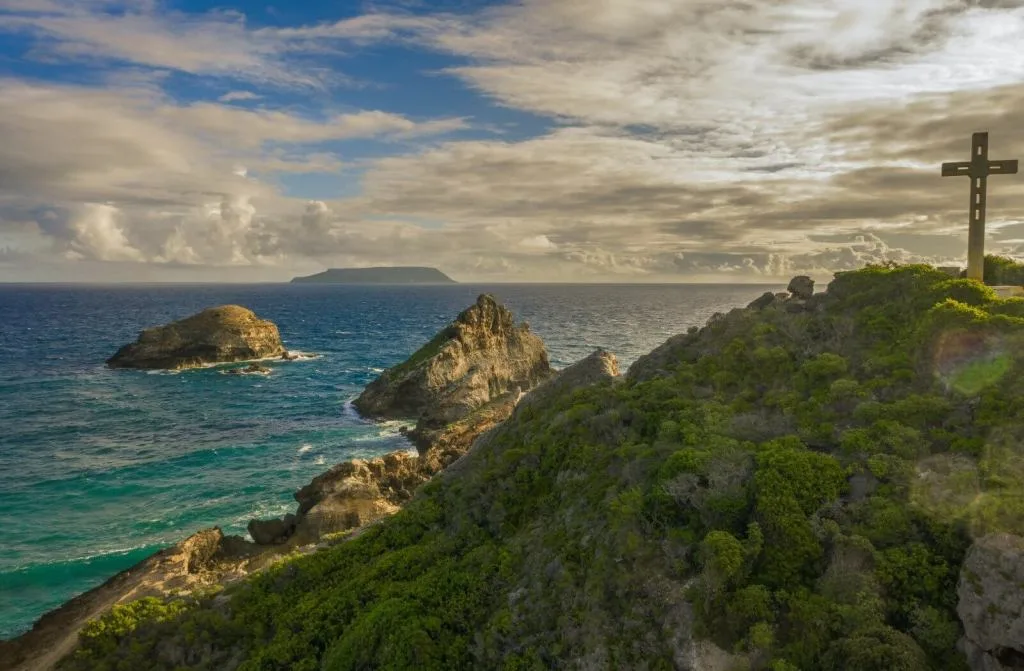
[(81, 559), (306, 447)]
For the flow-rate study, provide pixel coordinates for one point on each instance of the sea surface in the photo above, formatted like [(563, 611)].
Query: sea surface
[(100, 468)]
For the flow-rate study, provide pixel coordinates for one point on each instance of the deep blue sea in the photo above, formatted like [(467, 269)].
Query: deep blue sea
[(99, 468)]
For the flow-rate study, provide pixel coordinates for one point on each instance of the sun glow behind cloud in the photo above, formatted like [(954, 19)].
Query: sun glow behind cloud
[(686, 139)]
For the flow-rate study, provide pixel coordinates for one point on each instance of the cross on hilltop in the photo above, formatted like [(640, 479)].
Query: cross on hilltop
[(978, 169)]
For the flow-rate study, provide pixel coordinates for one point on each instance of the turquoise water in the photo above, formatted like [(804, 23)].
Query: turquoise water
[(99, 468)]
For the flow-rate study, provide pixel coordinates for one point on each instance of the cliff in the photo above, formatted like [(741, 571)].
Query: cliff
[(216, 335), (381, 275), (479, 357), (466, 380), (816, 481)]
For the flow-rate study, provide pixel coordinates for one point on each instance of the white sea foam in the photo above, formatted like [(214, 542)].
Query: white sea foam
[(376, 370), (320, 460), (306, 447)]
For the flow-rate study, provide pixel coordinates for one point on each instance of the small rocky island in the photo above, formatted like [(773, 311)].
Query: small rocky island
[(378, 275), (223, 334)]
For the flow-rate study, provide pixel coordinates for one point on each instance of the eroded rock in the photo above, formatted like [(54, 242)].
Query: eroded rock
[(216, 335), (480, 356), (801, 287), (991, 603)]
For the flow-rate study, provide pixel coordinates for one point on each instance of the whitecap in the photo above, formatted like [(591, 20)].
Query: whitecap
[(306, 447), (320, 460)]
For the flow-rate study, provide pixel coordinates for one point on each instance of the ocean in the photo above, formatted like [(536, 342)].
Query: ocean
[(100, 468)]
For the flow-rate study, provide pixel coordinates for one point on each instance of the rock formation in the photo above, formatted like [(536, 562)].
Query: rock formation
[(215, 335), (462, 383), (205, 558), (474, 360), (991, 603), (801, 287)]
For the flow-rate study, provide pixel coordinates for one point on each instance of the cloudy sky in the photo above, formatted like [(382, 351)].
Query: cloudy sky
[(560, 140)]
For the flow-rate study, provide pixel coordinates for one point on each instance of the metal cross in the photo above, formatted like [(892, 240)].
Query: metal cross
[(978, 169)]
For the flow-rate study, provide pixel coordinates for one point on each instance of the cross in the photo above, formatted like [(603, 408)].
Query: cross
[(978, 169)]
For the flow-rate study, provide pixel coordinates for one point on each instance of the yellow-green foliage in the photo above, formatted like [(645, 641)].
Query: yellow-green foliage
[(805, 484)]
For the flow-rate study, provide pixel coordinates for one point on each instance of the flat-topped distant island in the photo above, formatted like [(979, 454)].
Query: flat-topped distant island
[(377, 275)]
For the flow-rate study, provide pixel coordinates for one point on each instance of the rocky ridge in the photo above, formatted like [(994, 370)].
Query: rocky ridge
[(466, 380), (223, 334)]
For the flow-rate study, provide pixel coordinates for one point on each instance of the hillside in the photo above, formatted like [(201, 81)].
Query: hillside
[(382, 275), (794, 486)]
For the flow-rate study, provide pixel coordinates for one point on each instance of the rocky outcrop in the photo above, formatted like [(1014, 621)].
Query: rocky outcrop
[(479, 357), (991, 603), (205, 558), (801, 287), (216, 335), (465, 381)]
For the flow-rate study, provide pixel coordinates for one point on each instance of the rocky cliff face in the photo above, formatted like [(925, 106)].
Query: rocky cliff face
[(477, 358), (991, 603), (465, 381), (215, 335)]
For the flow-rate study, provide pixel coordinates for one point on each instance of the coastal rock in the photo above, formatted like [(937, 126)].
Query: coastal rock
[(215, 335), (991, 603), (801, 287), (204, 558), (272, 531), (251, 369), (763, 301), (464, 382), (479, 357)]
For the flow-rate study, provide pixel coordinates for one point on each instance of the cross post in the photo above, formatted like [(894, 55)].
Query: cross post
[(978, 169)]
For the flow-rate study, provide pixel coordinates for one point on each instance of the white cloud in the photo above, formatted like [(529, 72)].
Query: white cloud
[(234, 96), (693, 138)]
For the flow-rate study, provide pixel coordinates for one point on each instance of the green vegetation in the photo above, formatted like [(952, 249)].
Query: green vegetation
[(1000, 270), (800, 489)]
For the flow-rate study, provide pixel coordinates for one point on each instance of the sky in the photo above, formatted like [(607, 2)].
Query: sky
[(538, 140)]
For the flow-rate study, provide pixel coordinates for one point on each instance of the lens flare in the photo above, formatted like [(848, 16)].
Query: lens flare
[(968, 361)]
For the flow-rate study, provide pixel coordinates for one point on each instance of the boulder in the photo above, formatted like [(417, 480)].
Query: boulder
[(479, 357), (216, 335), (763, 301), (801, 287), (991, 603), (273, 531), (251, 369)]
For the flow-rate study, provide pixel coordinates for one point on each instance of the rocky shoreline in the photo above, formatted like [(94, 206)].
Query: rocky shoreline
[(457, 387), (460, 389)]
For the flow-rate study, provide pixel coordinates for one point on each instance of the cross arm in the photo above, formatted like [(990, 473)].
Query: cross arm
[(957, 168), (1002, 167)]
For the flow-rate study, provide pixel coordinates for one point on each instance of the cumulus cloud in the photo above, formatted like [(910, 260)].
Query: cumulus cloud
[(689, 139)]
